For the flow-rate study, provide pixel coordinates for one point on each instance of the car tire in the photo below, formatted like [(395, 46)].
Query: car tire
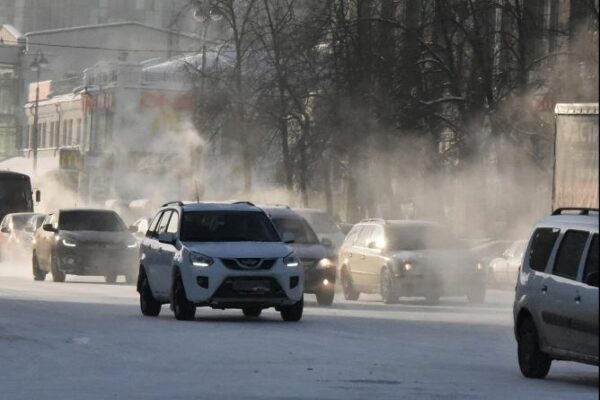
[(532, 361), (149, 306), (252, 312), (386, 287), (57, 274), (325, 295), (110, 278), (476, 296), (183, 309), (292, 313), (348, 287), (38, 274)]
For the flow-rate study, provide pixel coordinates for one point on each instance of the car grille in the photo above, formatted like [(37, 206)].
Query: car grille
[(249, 264), (270, 288), (308, 263)]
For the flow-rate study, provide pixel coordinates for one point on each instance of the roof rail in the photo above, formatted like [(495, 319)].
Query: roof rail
[(248, 203), (170, 203), (381, 220), (582, 210)]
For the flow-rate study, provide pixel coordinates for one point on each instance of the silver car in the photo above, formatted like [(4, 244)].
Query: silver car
[(556, 300)]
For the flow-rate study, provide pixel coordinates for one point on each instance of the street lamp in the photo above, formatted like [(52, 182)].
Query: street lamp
[(38, 63), (205, 13)]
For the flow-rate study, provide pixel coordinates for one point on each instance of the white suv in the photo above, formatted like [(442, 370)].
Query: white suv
[(221, 255), (556, 300)]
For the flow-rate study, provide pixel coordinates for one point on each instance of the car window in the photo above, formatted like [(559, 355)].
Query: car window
[(151, 232), (173, 223), (4, 224), (91, 220), (164, 222), (298, 226), (591, 263), (365, 236), (542, 243), (349, 241), (227, 226), (54, 221), (377, 236), (569, 254)]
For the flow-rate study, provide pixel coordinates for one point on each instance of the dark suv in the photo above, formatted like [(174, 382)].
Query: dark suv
[(409, 259), (84, 242)]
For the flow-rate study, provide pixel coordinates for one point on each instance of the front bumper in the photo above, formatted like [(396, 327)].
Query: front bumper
[(214, 286), (88, 260), (421, 283)]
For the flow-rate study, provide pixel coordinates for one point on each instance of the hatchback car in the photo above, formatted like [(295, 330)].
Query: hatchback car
[(556, 299), (408, 259), (221, 255), (84, 242), (16, 234), (318, 259), (503, 270)]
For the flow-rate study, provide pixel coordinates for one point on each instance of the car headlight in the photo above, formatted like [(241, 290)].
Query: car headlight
[(325, 263), (479, 266), (200, 260), (408, 267), (291, 261), (68, 243)]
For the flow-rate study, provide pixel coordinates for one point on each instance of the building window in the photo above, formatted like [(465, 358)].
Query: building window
[(70, 135), (64, 132), (56, 134), (78, 132)]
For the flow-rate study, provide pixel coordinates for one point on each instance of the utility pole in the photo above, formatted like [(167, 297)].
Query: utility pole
[(38, 63)]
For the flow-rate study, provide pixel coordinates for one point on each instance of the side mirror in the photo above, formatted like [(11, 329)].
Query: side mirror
[(374, 246), (5, 230), (288, 237), (49, 228), (167, 237), (38, 196), (327, 242), (592, 279)]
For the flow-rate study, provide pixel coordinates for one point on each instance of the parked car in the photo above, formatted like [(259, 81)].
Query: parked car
[(221, 255), (503, 270), (487, 250), (318, 260), (323, 225), (84, 242), (556, 299), (139, 228), (16, 234), (408, 259)]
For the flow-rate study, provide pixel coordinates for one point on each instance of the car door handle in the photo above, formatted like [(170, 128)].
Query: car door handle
[(544, 289), (577, 299)]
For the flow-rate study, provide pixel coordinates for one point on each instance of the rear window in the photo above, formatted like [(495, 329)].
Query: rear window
[(227, 226), (591, 264), (542, 243), (569, 254), (103, 221)]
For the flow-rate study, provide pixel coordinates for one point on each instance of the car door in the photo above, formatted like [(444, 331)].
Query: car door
[(149, 250), (166, 252), (45, 243), (157, 268), (563, 291), (359, 264), (585, 317), (373, 261)]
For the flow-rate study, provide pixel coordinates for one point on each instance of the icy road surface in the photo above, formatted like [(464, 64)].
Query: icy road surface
[(87, 340)]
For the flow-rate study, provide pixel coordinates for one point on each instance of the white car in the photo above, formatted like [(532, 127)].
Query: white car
[(503, 270), (221, 255), (556, 300)]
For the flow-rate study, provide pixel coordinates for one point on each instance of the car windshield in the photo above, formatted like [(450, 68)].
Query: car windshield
[(321, 222), (227, 226), (303, 233), (83, 220), (420, 237), (19, 221)]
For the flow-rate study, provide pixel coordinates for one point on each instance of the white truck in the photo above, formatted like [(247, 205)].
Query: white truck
[(575, 156)]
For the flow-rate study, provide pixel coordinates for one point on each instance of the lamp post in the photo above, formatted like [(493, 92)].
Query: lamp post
[(38, 63), (205, 14)]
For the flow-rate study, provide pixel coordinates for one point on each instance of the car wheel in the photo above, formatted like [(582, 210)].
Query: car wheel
[(110, 277), (532, 361), (149, 306), (348, 287), (252, 312), (386, 287), (325, 295), (183, 309), (476, 295), (292, 313), (38, 274), (57, 274)]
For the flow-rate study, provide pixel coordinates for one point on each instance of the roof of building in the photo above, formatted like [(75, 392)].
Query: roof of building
[(109, 26), (12, 31)]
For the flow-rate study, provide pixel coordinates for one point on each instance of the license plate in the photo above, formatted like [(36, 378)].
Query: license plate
[(251, 286)]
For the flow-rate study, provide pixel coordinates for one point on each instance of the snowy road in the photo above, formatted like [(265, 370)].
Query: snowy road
[(87, 340)]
